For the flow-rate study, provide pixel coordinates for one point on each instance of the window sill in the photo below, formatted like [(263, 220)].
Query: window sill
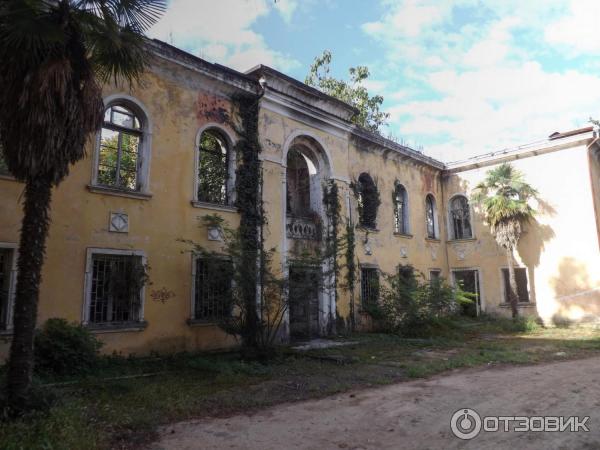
[(201, 323), (436, 240), (367, 229), (117, 327), (403, 235), (451, 241), (519, 305), (215, 206), (118, 192), (6, 334)]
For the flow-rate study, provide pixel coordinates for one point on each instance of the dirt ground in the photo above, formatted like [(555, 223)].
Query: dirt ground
[(415, 414)]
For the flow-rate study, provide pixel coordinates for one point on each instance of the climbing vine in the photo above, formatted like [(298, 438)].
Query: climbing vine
[(350, 245)]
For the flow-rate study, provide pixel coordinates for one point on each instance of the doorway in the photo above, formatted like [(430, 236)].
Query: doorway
[(304, 288), (468, 280)]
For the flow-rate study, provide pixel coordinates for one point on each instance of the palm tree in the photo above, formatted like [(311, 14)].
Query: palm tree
[(504, 199), (55, 56)]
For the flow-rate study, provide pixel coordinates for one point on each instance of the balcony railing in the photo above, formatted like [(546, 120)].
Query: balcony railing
[(302, 228)]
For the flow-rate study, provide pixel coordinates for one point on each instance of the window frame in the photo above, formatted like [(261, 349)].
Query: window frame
[(405, 231), (436, 227), (144, 149), (367, 178), (89, 266), (231, 167), (376, 270), (193, 319), (451, 230), (436, 271), (12, 286), (504, 299)]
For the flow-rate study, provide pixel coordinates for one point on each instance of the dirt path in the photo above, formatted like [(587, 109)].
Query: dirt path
[(415, 414)]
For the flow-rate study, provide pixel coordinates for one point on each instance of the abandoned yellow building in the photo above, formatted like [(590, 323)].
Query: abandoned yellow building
[(166, 156)]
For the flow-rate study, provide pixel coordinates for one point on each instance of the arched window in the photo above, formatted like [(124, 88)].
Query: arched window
[(121, 139), (368, 200), (298, 184), (460, 218), (213, 168), (431, 217), (400, 209)]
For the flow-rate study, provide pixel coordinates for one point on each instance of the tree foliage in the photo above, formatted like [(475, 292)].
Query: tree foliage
[(352, 92), (504, 197), (55, 56)]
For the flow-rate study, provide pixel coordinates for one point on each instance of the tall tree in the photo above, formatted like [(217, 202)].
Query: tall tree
[(354, 92), (504, 197), (55, 55)]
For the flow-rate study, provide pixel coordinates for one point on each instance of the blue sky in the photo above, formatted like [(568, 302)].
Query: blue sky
[(459, 77)]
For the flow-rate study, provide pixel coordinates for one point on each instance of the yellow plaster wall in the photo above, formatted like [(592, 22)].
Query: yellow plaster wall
[(559, 249)]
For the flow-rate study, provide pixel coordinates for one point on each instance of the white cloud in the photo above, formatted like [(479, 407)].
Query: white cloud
[(221, 30), (469, 84), (286, 8), (577, 30)]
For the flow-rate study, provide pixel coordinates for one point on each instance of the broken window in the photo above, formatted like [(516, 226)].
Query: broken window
[(522, 286), (460, 218), (368, 200), (298, 184), (369, 286), (6, 263), (119, 155), (213, 163), (430, 216), (400, 209), (212, 288), (116, 288)]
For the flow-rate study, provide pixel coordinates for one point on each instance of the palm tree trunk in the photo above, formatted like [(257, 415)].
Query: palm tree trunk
[(32, 246), (512, 284)]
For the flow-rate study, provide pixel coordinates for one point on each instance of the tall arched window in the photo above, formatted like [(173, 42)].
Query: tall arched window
[(213, 168), (368, 200), (400, 209), (460, 218), (298, 184), (121, 138), (431, 217)]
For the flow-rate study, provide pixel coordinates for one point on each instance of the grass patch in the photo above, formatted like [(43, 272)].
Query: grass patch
[(106, 409)]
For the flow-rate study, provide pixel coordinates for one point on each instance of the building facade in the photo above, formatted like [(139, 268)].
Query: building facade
[(166, 156)]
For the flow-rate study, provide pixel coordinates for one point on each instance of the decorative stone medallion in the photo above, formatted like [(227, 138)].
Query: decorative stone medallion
[(118, 223), (214, 234)]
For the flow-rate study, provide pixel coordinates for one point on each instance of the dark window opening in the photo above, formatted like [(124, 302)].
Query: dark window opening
[(430, 216), (400, 210), (213, 173), (298, 185), (435, 274), (213, 296), (116, 288), (368, 201), (522, 285), (460, 218), (369, 286)]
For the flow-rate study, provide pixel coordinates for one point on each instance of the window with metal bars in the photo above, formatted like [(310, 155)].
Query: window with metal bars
[(6, 256), (116, 292), (460, 218), (118, 159), (212, 288), (369, 286)]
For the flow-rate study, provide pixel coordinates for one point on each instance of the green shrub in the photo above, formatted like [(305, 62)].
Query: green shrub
[(412, 306), (62, 348)]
